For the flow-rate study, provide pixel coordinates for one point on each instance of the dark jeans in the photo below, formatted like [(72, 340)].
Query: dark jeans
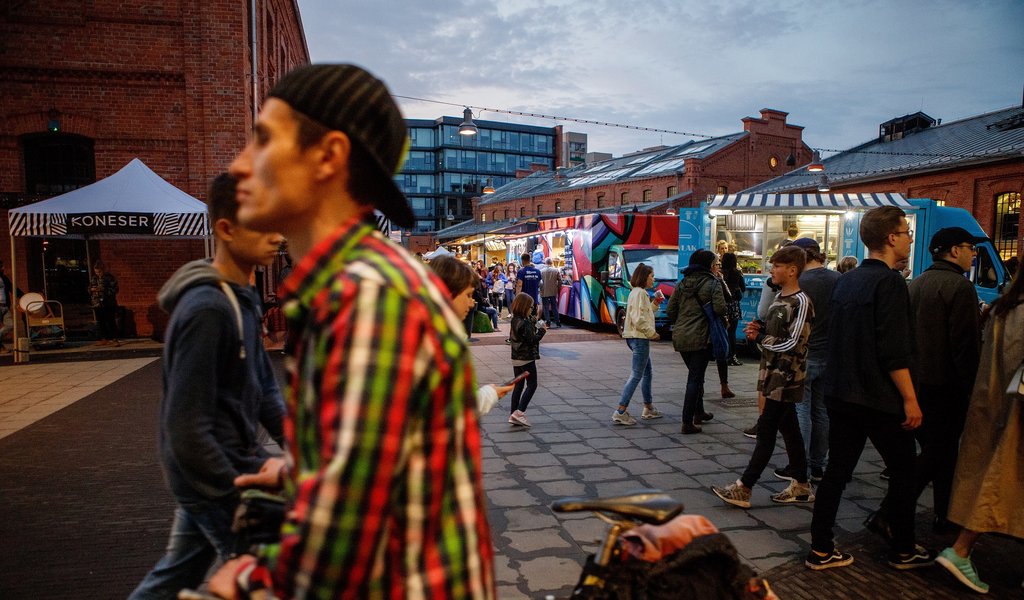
[(723, 369), (523, 392), (850, 426), (550, 304), (106, 318), (200, 534), (732, 337), (944, 412), (777, 417), (696, 365)]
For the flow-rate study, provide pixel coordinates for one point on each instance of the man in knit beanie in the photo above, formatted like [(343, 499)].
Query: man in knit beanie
[(383, 444)]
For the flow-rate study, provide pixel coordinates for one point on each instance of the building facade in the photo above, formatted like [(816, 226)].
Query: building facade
[(681, 175), (976, 163), (445, 170), (85, 87)]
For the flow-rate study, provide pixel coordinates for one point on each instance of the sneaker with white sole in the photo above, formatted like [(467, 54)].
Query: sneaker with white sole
[(963, 569), (920, 557), (622, 418), (734, 493), (520, 418), (751, 432), (651, 413), (794, 492), (817, 562)]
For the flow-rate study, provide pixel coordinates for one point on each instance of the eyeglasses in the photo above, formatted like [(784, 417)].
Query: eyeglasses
[(909, 233), (970, 247)]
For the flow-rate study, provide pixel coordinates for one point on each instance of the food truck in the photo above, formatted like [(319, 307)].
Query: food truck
[(597, 254), (755, 225)]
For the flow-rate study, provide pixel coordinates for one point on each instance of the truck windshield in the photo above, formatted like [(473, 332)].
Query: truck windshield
[(665, 262)]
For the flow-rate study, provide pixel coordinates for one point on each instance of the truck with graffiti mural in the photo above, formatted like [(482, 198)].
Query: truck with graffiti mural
[(598, 253)]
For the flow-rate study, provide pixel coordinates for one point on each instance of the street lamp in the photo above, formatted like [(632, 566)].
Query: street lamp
[(468, 127), (816, 166), (823, 185), (489, 187)]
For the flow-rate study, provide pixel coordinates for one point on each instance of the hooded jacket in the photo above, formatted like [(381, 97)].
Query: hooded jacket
[(214, 394), (685, 308)]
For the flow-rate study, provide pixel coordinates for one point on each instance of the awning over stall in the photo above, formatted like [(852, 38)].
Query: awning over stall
[(807, 201)]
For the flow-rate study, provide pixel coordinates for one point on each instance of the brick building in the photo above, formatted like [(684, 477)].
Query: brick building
[(976, 163), (681, 175), (86, 86)]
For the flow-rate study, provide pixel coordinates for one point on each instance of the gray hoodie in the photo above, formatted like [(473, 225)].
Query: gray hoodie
[(214, 397)]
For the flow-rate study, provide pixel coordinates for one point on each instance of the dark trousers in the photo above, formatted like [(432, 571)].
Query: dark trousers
[(523, 392), (106, 318), (696, 365), (468, 323), (850, 426), (777, 417), (732, 337), (723, 369), (945, 411), (550, 304)]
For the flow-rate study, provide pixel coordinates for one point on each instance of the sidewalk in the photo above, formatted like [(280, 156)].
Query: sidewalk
[(87, 513)]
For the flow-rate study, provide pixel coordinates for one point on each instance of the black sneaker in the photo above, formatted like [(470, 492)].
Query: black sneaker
[(751, 432), (783, 473), (816, 562), (817, 475), (920, 557)]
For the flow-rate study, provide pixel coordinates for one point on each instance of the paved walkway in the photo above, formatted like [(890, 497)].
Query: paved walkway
[(86, 512)]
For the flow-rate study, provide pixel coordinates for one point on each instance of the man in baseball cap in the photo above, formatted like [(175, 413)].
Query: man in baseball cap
[(383, 471)]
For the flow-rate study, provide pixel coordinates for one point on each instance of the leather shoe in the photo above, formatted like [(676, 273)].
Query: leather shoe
[(688, 429), (878, 524), (702, 418)]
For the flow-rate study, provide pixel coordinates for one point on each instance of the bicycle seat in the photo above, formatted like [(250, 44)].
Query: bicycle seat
[(649, 506)]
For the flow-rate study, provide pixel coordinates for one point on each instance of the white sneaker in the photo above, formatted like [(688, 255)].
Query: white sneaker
[(650, 412), (622, 419), (520, 418)]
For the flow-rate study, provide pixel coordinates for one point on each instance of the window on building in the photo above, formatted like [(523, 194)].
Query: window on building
[(494, 215), (56, 163), (483, 217), (671, 191), (1007, 226), (522, 211), (506, 214), (540, 209), (722, 189), (623, 198), (558, 207), (578, 204), (647, 195), (600, 200)]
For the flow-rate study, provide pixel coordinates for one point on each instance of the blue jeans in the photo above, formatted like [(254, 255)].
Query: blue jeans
[(550, 304), (200, 534), (641, 373), (813, 417), (493, 314), (696, 365)]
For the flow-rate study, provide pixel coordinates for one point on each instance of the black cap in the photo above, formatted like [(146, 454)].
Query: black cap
[(806, 243), (349, 99), (947, 237)]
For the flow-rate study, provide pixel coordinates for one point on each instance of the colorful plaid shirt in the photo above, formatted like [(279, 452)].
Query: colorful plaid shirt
[(382, 433)]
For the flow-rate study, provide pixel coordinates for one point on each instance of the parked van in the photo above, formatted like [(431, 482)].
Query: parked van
[(755, 225)]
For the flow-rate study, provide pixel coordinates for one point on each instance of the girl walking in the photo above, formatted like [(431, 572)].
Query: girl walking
[(525, 334), (638, 333)]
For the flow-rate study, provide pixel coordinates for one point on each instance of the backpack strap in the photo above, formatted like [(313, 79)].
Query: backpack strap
[(230, 293)]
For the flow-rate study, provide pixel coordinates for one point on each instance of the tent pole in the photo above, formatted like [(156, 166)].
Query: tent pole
[(14, 294)]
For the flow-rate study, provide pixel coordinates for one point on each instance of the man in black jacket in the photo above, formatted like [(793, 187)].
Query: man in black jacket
[(869, 392)]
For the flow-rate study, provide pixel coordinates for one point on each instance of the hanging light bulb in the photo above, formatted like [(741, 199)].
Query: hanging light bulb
[(823, 184), (468, 127), (816, 166)]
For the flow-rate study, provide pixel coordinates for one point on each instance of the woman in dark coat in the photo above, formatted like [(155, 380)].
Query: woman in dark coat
[(103, 294)]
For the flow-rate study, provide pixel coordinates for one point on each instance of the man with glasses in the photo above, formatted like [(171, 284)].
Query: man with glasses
[(869, 392), (945, 308)]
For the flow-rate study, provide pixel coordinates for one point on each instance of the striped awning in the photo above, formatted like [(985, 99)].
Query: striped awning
[(807, 201)]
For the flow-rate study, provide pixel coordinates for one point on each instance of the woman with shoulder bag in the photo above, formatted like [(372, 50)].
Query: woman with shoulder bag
[(638, 332)]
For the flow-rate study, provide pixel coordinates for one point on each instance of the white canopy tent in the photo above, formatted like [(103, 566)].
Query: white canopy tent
[(133, 202), (437, 253)]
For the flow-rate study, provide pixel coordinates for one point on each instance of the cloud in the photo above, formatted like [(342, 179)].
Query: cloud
[(838, 68)]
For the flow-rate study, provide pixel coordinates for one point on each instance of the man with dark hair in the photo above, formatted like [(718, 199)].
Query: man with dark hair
[(551, 283), (384, 471), (218, 390), (528, 280), (945, 308), (869, 392)]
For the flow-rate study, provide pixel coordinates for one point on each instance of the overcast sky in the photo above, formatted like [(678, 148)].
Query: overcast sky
[(838, 68)]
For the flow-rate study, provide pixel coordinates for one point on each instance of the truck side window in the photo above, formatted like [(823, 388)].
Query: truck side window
[(614, 266), (985, 271)]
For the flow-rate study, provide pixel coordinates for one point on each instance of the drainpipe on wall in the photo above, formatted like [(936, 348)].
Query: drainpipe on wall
[(252, 44)]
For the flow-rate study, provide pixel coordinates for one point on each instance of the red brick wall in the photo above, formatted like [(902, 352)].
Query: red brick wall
[(738, 166), (167, 82)]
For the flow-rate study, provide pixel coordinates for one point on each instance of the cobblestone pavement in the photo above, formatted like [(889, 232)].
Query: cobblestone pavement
[(86, 512)]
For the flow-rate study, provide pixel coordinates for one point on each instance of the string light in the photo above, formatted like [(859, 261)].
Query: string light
[(685, 133)]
